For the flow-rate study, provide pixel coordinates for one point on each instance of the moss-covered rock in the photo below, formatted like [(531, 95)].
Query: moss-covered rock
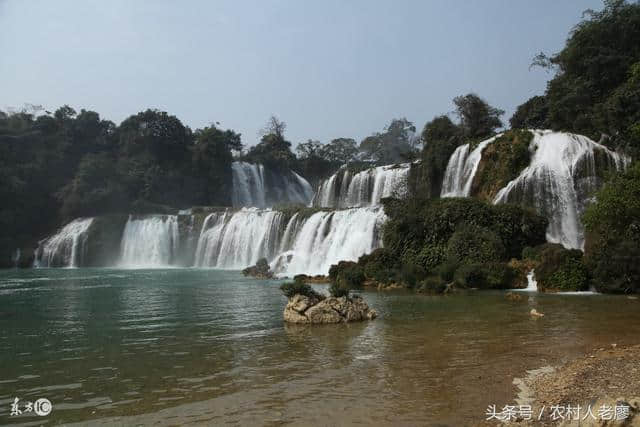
[(502, 161), (103, 241)]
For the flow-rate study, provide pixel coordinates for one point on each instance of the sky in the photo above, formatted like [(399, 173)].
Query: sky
[(327, 68)]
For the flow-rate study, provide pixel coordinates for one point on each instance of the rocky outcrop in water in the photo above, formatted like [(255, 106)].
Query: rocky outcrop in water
[(304, 309), (259, 271)]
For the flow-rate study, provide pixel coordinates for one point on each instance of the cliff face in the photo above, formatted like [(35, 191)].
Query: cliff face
[(501, 162)]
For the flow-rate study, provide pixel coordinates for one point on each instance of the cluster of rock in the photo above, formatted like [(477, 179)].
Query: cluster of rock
[(260, 271), (305, 309)]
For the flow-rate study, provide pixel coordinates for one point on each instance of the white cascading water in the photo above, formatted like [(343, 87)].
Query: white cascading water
[(532, 283), (248, 185), (365, 188), (149, 241), (66, 248), (559, 181), (235, 240), (461, 169), (255, 186), (326, 238)]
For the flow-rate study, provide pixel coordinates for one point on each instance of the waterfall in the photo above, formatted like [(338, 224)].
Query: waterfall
[(248, 185), (149, 241), (461, 169), (238, 239), (67, 247), (325, 238), (564, 172), (235, 240), (15, 258), (256, 186), (532, 283), (366, 188)]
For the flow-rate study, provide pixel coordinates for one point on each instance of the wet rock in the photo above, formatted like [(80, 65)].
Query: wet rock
[(302, 309), (535, 313), (260, 271)]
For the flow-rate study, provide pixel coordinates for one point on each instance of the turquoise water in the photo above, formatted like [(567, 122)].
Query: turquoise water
[(204, 346)]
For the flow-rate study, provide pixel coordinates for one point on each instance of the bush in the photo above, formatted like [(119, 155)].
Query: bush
[(379, 265), (347, 275), (447, 269), (290, 289), (469, 276), (486, 276), (338, 291), (561, 269), (472, 244)]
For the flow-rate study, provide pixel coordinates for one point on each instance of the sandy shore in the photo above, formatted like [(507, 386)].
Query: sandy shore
[(592, 390)]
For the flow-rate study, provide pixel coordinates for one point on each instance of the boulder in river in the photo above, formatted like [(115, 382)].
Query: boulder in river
[(305, 309), (260, 271)]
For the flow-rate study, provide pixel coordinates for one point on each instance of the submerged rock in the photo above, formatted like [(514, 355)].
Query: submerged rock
[(304, 309), (260, 271)]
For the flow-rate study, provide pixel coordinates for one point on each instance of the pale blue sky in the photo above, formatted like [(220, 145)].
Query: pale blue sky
[(328, 68)]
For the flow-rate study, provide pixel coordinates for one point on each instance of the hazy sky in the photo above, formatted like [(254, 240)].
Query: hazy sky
[(328, 68)]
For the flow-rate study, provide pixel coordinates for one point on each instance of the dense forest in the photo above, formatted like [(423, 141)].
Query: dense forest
[(55, 166)]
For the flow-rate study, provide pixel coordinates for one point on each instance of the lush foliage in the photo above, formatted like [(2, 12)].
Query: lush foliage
[(558, 268), (596, 88), (462, 240), (612, 248), (289, 289), (478, 119), (344, 276)]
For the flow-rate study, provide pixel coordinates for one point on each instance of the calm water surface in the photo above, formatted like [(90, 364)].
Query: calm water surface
[(173, 347)]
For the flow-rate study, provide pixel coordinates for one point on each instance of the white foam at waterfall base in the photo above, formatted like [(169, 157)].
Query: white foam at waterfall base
[(326, 238), (149, 241), (461, 169), (65, 248), (365, 188), (560, 176)]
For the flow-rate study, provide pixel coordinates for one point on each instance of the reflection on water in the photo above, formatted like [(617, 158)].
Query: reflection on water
[(205, 346)]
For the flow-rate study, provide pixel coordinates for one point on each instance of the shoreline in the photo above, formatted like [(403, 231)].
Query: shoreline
[(604, 377)]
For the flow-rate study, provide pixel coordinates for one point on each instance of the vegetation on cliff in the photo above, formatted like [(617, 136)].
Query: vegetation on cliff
[(612, 248), (431, 242)]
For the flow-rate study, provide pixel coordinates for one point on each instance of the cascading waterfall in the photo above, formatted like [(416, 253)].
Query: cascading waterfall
[(149, 241), (564, 172), (239, 239), (345, 189), (325, 238), (67, 247), (248, 185), (234, 240), (255, 186), (461, 169)]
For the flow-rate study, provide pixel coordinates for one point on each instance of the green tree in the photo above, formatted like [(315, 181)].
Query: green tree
[(531, 115), (394, 144), (478, 119), (612, 247)]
